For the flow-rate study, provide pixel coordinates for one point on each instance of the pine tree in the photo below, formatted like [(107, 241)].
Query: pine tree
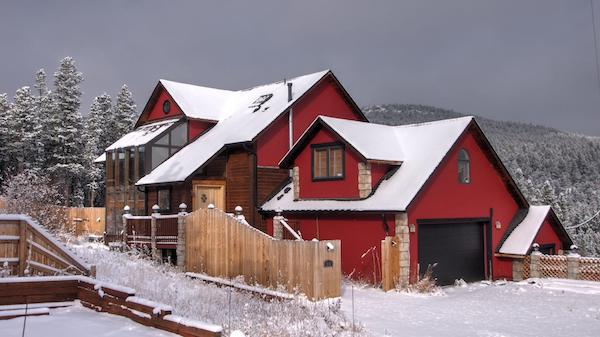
[(96, 137), (125, 114), (44, 110), (4, 139), (67, 144), (20, 130)]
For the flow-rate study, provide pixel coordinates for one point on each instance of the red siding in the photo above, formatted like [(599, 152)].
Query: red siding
[(358, 234), (547, 235), (445, 197), (195, 128), (343, 188), (324, 99), (377, 172), (157, 113)]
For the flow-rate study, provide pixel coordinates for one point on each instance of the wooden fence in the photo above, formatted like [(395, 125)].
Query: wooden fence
[(220, 245), (87, 220), (26, 248), (390, 263), (101, 297)]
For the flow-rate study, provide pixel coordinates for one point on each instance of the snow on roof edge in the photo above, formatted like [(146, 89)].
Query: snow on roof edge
[(520, 239)]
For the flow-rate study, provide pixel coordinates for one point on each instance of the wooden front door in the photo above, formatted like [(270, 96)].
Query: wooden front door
[(206, 192)]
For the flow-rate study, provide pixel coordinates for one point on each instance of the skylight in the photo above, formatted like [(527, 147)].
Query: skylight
[(260, 101)]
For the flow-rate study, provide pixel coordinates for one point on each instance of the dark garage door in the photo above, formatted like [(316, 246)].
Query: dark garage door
[(457, 248)]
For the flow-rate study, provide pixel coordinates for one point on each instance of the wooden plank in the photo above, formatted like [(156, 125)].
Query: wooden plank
[(22, 247)]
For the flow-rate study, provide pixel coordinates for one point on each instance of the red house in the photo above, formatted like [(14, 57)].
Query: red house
[(439, 186), (302, 146), (201, 146)]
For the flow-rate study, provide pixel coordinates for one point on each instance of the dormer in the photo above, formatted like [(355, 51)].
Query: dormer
[(341, 159)]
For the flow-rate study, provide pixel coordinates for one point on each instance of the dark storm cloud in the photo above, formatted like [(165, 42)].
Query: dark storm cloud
[(517, 60)]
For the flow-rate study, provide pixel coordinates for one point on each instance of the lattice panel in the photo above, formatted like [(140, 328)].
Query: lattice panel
[(589, 269), (553, 266), (526, 263)]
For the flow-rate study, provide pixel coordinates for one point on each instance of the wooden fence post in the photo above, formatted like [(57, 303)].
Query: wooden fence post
[(22, 247), (277, 226), (517, 270), (534, 265), (126, 210), (154, 215), (181, 236), (573, 263)]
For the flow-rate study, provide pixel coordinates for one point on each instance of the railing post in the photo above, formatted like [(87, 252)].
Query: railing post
[(573, 263), (181, 236), (126, 210), (155, 214), (534, 265), (277, 226)]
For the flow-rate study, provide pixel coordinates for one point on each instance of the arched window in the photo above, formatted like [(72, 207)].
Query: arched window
[(464, 169)]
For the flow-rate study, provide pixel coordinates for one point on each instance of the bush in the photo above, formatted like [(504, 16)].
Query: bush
[(32, 194), (426, 284)]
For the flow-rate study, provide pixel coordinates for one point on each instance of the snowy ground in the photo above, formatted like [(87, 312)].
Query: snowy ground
[(77, 321), (211, 304), (548, 308)]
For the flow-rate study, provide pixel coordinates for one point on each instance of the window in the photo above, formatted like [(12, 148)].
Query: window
[(121, 168), (164, 200), (327, 161), (464, 170), (131, 173), (142, 162), (169, 143), (166, 107)]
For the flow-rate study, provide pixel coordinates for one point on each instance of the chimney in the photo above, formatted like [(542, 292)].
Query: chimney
[(289, 91)]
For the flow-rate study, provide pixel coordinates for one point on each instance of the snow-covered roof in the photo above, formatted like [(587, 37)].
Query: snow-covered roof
[(375, 142), (101, 158), (241, 122), (199, 102), (520, 239), (142, 135), (421, 148)]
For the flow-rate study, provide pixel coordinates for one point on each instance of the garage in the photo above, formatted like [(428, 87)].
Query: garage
[(457, 248)]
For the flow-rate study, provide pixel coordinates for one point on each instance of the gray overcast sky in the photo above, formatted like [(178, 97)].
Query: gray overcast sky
[(521, 60)]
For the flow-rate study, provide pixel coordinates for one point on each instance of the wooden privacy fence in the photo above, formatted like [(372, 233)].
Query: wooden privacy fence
[(87, 220), (571, 266), (28, 249), (220, 245)]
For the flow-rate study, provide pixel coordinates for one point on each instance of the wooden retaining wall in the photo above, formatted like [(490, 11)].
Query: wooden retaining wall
[(103, 298), (219, 245), (29, 249), (87, 220)]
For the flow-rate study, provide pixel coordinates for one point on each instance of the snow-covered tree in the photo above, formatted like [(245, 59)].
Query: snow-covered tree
[(97, 128), (66, 124), (33, 194), (4, 110), (21, 123), (44, 106), (125, 114)]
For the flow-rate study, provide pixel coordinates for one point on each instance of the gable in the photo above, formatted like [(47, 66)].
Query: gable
[(326, 98), (153, 111), (487, 162)]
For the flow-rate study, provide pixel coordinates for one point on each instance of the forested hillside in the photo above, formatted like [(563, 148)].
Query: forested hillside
[(551, 166)]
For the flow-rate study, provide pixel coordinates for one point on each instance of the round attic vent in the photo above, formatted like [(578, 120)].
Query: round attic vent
[(166, 106)]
